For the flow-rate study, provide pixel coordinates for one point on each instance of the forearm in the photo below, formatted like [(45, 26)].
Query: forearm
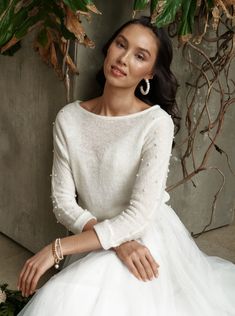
[(89, 225), (83, 242)]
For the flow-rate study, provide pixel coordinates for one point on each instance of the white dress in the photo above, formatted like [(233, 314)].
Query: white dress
[(118, 167)]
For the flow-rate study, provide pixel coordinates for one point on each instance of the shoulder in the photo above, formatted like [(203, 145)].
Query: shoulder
[(70, 110), (160, 126), (161, 117), (67, 111)]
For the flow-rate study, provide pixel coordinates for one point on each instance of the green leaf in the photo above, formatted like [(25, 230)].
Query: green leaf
[(6, 26), (75, 5), (140, 4), (11, 21), (187, 18), (28, 23), (168, 13), (3, 5)]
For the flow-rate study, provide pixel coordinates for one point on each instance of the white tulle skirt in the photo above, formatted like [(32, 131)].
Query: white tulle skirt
[(190, 283)]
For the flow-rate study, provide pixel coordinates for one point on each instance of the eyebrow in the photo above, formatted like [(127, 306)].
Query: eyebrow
[(143, 49)]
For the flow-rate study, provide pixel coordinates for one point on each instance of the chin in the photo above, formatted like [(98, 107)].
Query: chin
[(116, 82)]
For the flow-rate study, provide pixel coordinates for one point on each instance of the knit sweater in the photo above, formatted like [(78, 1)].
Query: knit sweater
[(111, 168)]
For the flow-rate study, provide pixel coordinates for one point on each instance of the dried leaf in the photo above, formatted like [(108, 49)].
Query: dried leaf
[(184, 38), (44, 51), (9, 44), (74, 25), (228, 2), (93, 8), (53, 56), (216, 17), (88, 42), (87, 15), (225, 4), (71, 65)]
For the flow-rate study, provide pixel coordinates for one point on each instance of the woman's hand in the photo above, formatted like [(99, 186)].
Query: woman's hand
[(138, 260), (33, 269)]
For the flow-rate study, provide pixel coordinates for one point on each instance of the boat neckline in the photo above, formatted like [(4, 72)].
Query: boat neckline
[(136, 114)]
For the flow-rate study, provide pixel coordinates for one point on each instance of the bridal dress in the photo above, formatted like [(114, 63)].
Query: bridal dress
[(118, 166)]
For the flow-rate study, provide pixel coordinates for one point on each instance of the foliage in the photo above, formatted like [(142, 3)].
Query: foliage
[(57, 22), (13, 301)]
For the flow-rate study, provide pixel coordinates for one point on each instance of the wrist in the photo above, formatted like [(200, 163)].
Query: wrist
[(89, 225), (57, 252)]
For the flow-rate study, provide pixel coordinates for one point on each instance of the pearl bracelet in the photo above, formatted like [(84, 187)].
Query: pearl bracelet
[(57, 252)]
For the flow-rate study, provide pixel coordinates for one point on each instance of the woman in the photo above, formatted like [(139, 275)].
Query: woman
[(115, 151)]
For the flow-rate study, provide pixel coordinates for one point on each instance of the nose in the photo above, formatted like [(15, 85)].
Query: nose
[(123, 58)]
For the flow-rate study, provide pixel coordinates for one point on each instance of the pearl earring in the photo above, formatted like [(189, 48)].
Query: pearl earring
[(145, 92)]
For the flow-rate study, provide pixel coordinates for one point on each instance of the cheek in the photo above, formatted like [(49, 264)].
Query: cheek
[(140, 69)]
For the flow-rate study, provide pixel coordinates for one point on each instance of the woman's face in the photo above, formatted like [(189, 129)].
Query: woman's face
[(131, 57)]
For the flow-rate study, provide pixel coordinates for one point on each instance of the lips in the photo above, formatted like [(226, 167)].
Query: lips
[(117, 71)]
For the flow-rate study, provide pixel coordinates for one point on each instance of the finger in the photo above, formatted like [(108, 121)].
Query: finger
[(154, 265), (19, 284), (35, 280), (133, 270), (147, 267), (141, 270), (24, 279), (28, 281)]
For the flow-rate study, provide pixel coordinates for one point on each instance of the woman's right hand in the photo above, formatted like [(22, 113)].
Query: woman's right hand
[(138, 260), (135, 256)]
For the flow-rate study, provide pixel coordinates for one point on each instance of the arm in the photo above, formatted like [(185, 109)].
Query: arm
[(137, 258), (147, 193), (148, 190), (130, 224), (63, 190)]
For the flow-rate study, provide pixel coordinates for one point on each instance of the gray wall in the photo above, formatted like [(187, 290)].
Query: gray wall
[(31, 95)]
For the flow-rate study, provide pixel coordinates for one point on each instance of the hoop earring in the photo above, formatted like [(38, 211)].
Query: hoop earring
[(145, 92)]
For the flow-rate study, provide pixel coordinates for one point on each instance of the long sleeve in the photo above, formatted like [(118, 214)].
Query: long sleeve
[(63, 191), (148, 189)]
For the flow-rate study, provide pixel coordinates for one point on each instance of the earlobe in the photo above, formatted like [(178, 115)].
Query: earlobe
[(149, 77)]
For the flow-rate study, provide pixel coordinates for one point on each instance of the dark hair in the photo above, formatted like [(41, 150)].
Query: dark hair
[(164, 84)]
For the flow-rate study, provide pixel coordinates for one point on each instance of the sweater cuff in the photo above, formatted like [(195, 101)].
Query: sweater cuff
[(81, 221), (104, 234)]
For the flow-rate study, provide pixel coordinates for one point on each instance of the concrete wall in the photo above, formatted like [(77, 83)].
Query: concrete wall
[(31, 95)]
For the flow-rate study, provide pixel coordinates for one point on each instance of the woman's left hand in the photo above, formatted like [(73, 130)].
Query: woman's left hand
[(33, 269)]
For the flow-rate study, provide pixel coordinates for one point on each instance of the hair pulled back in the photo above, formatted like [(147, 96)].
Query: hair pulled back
[(163, 85)]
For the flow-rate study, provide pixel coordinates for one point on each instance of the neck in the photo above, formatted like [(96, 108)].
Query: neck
[(115, 102)]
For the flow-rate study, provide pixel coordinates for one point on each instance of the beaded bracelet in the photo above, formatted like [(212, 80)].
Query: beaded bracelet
[(57, 252)]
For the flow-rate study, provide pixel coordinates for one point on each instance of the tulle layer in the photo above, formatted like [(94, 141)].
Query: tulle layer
[(190, 283)]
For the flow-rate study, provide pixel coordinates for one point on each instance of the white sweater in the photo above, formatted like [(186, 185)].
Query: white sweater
[(118, 167)]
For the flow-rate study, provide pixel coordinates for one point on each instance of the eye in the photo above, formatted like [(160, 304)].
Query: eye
[(120, 44), (140, 56)]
